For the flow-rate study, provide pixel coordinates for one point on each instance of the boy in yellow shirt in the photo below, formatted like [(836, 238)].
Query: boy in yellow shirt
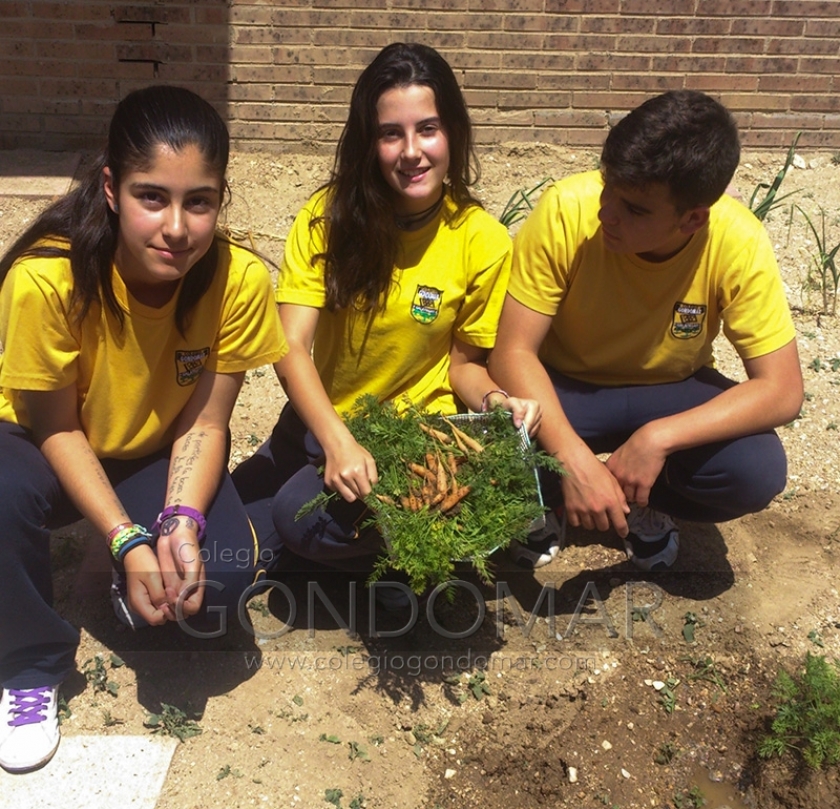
[(621, 281)]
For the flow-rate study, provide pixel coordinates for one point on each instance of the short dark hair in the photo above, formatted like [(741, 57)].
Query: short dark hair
[(683, 139)]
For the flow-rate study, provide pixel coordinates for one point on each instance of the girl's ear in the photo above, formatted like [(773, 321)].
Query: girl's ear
[(110, 191)]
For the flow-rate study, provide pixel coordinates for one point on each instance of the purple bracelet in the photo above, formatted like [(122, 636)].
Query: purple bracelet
[(178, 510)]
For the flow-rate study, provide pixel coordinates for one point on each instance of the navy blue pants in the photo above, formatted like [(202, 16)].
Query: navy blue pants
[(37, 646), (711, 483), (290, 462)]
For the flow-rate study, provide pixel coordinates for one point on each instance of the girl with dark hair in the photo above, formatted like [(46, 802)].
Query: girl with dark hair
[(394, 275), (127, 325)]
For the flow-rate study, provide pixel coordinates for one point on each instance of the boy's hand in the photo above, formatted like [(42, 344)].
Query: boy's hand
[(592, 496), (636, 464)]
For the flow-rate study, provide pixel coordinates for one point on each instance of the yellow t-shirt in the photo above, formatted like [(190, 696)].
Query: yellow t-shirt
[(449, 281), (620, 320), (133, 381)]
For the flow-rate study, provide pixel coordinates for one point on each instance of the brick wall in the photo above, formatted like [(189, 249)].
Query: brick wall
[(555, 71)]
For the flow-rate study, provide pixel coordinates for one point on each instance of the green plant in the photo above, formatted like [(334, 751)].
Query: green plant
[(807, 718), (667, 695), (521, 203), (666, 753), (172, 721), (693, 799), (770, 200), (478, 685), (96, 674), (706, 669), (825, 276)]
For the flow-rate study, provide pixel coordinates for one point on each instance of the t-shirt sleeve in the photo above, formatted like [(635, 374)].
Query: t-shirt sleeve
[(250, 333), (489, 259), (41, 347), (544, 249), (301, 280), (754, 308)]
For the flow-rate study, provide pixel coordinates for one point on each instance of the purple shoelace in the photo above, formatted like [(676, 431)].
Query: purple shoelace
[(29, 705)]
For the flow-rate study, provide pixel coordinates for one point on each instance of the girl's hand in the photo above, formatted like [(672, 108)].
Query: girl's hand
[(350, 470), (146, 593), (181, 566), (524, 411)]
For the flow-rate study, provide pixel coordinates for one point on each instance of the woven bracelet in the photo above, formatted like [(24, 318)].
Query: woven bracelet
[(127, 538)]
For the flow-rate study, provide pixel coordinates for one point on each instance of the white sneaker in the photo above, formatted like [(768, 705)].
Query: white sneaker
[(29, 733), (541, 547), (654, 540)]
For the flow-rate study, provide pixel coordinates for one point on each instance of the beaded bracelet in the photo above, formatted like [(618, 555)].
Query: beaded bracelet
[(180, 510), (116, 529), (128, 537), (487, 396)]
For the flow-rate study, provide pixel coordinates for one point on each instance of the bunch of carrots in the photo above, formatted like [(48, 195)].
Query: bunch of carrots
[(434, 484)]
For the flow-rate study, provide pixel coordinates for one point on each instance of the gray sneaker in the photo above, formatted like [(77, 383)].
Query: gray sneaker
[(654, 540)]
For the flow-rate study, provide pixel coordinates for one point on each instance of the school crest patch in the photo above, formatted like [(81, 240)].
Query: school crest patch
[(426, 304), (189, 365), (688, 320)]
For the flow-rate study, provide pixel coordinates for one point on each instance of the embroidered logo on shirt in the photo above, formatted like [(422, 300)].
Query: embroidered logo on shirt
[(426, 304), (688, 320), (189, 365)]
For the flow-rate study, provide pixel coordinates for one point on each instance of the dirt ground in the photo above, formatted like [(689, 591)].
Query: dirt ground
[(594, 696)]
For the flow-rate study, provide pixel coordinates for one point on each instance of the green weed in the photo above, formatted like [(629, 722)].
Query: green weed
[(763, 205), (807, 718), (522, 203), (172, 721), (825, 274)]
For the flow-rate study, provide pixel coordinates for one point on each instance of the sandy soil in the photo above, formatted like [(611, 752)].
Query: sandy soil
[(472, 706)]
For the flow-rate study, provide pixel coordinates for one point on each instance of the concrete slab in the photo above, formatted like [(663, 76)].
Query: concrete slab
[(31, 173), (94, 772)]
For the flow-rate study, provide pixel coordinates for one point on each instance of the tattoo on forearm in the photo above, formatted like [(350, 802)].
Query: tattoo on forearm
[(184, 464)]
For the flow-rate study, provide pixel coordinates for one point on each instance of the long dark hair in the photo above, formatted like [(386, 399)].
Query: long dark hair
[(362, 237), (144, 120)]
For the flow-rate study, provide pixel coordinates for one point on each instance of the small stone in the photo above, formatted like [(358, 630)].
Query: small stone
[(573, 775), (606, 745), (658, 685), (625, 773), (449, 773)]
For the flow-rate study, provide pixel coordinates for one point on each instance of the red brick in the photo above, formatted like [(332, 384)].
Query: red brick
[(719, 82), (645, 82), (786, 119), (822, 28), (653, 44), (506, 41), (583, 6), (661, 8), (574, 81), (811, 47), (793, 84), (70, 11), (581, 43), (461, 22), (194, 34), (511, 7), (754, 101), (540, 62), (734, 8), (693, 26), (181, 72), (688, 64), (805, 8), (535, 100), (501, 80), (617, 25), (807, 103), (612, 63), (13, 9), (571, 118), (815, 65), (757, 26), (727, 45)]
